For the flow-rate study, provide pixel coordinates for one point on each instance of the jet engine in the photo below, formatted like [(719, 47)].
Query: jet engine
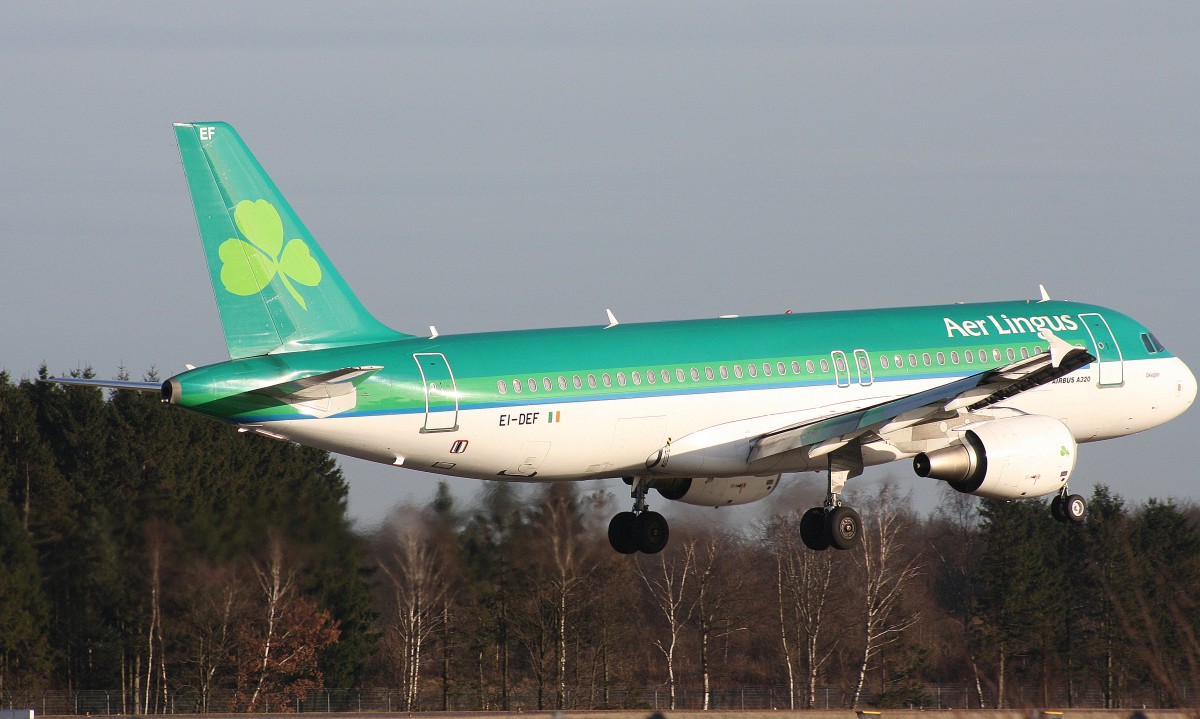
[(716, 491), (1011, 458)]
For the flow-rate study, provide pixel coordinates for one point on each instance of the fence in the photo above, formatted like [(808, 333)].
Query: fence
[(111, 703)]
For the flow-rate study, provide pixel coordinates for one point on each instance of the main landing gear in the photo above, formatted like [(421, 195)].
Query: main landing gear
[(640, 530), (834, 525), (1068, 508)]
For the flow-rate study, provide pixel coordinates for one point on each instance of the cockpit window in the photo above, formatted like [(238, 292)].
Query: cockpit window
[(1152, 344)]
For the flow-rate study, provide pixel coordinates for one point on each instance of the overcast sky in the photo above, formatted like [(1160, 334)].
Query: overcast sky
[(484, 166)]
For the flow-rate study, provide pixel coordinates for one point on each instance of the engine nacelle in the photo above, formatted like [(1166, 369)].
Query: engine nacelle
[(716, 491), (1027, 456)]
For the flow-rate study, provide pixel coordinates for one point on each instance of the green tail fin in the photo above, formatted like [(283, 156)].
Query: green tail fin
[(276, 290)]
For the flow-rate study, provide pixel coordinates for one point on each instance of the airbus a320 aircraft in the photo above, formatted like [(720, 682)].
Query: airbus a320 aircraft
[(993, 398)]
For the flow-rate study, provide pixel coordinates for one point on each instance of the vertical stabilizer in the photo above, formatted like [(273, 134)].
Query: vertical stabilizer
[(275, 288)]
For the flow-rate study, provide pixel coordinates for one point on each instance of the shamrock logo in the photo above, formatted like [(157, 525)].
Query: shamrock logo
[(249, 265)]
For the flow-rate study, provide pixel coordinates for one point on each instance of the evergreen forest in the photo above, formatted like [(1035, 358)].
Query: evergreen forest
[(171, 564)]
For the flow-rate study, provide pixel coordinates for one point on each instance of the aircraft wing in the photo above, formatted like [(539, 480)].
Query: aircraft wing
[(970, 393), (155, 387)]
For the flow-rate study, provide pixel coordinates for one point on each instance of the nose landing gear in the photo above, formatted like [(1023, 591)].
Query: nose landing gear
[(640, 530)]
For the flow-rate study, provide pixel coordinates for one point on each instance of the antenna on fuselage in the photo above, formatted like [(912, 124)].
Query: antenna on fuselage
[(612, 320), (1045, 294)]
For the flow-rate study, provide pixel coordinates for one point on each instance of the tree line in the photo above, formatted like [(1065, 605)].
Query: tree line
[(192, 567)]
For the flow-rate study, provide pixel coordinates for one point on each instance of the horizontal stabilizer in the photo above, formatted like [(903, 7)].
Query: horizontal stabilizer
[(321, 395), (155, 387)]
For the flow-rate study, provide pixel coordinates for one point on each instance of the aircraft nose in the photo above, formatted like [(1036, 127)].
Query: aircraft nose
[(1185, 388)]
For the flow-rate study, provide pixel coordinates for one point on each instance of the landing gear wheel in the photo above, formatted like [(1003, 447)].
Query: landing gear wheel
[(620, 533), (650, 532), (1056, 508), (812, 529), (843, 527), (1074, 509)]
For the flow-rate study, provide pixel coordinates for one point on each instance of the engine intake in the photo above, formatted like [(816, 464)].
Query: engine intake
[(1010, 458)]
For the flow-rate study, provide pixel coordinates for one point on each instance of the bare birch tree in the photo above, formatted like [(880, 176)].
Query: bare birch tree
[(279, 646), (412, 562), (804, 584), (716, 592), (886, 572), (667, 584), (217, 602)]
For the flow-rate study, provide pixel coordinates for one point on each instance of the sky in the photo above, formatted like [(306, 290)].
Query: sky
[(486, 166)]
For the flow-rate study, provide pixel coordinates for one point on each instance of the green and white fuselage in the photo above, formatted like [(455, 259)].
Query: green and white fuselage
[(579, 403), (992, 398)]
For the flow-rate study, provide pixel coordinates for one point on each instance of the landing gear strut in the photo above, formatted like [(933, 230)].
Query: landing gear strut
[(834, 525), (640, 530), (1069, 508)]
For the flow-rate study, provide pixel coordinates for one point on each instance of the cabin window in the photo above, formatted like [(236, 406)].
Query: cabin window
[(766, 369), (941, 358), (708, 373), (983, 356), (840, 363), (1011, 355), (606, 379), (547, 384), (808, 365), (576, 382), (1024, 353), (502, 386), (996, 355), (651, 378), (666, 376), (883, 361), (737, 371), (1037, 350), (679, 375), (795, 367), (825, 366), (969, 356), (592, 381), (752, 370), (621, 378), (912, 360), (926, 359), (517, 386), (637, 378), (532, 384), (864, 365), (695, 374), (953, 356), (562, 382), (898, 360), (781, 367), (724, 372)]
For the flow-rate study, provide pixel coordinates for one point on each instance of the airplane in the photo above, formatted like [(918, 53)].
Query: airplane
[(992, 398)]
